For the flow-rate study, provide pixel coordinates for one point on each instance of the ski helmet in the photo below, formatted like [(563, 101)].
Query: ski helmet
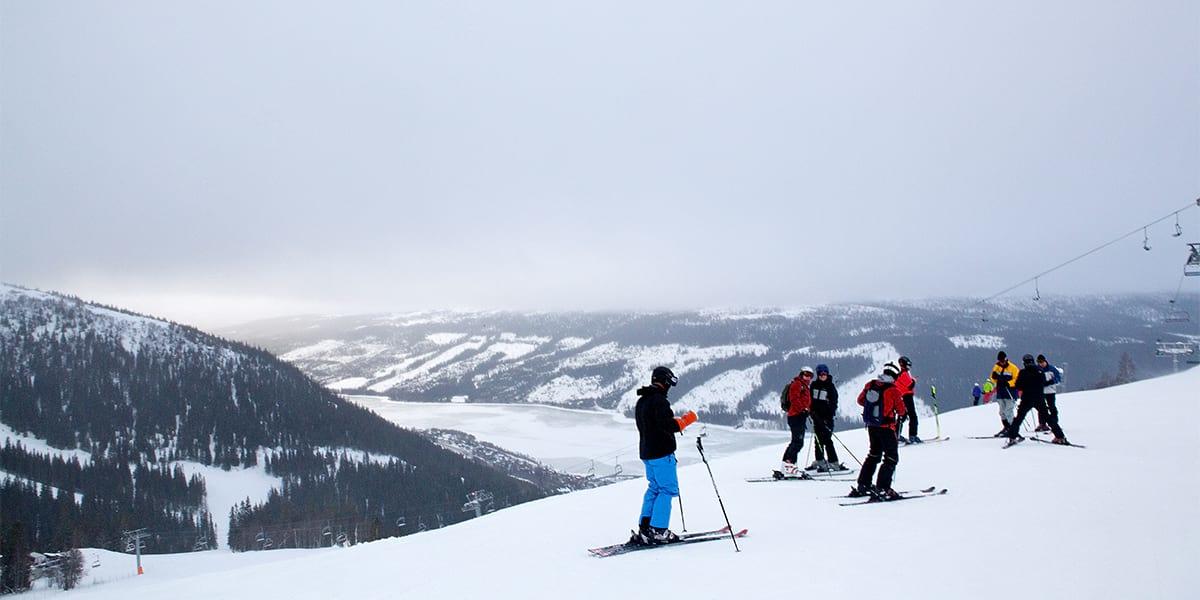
[(1041, 358), (806, 369), (1001, 355), (664, 376), (904, 362), (891, 369), (822, 368), (1027, 359)]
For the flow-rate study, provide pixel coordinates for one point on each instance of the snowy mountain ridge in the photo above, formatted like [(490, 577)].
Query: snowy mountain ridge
[(731, 363), (136, 415)]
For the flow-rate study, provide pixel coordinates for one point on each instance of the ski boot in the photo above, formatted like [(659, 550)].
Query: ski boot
[(861, 491), (1041, 428), (662, 535), (835, 467), (914, 440), (1061, 441), (902, 439), (884, 495), (815, 466), (788, 469)]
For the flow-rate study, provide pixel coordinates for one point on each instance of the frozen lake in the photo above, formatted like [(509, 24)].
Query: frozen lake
[(575, 441)]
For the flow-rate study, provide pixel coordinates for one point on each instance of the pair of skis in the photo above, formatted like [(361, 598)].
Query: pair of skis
[(1017, 440), (905, 495), (803, 476), (1046, 441), (684, 538), (923, 442)]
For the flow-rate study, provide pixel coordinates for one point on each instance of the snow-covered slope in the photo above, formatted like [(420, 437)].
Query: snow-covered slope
[(1120, 519)]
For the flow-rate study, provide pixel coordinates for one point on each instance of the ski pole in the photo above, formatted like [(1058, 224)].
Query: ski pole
[(700, 447), (839, 440), (933, 392), (681, 517)]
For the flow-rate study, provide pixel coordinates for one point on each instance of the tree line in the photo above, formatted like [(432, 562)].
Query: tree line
[(138, 396)]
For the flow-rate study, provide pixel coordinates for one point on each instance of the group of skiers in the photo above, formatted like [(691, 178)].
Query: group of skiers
[(887, 402), (1034, 386), (811, 395)]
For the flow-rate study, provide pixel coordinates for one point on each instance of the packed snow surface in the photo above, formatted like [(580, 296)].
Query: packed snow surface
[(1120, 519)]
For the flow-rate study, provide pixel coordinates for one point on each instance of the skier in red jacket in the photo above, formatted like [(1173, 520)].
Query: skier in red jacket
[(882, 404), (906, 383), (799, 402)]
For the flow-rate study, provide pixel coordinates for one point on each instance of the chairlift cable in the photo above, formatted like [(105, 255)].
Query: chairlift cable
[(1142, 228)]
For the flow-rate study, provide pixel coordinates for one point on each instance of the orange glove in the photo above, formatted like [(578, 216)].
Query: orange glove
[(687, 419)]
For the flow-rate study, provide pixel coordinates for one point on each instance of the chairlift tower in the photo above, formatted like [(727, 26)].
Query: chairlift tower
[(1174, 350), (133, 543), (479, 501)]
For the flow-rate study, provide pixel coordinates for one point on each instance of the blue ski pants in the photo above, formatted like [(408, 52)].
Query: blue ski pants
[(662, 489)]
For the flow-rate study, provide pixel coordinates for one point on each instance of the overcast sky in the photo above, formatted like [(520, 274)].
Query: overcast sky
[(219, 161)]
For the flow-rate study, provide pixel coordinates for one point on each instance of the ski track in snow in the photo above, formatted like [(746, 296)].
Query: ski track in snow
[(1034, 521)]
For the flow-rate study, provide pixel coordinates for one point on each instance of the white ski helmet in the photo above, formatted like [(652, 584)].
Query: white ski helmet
[(806, 369), (891, 369)]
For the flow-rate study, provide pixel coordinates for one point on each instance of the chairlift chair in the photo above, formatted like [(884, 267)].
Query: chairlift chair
[(1192, 267), (1177, 316)]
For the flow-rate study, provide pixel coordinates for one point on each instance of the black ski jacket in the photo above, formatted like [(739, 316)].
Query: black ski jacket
[(1031, 383), (655, 422), (824, 397)]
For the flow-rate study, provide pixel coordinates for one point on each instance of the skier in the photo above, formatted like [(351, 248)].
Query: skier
[(881, 404), (989, 390), (657, 427), (976, 393), (824, 409), (906, 383), (799, 402), (1031, 383), (1004, 375), (1053, 377)]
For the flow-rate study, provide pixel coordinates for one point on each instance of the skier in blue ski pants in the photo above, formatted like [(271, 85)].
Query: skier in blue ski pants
[(657, 427)]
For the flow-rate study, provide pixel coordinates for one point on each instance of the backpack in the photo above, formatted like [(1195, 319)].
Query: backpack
[(784, 402), (872, 414)]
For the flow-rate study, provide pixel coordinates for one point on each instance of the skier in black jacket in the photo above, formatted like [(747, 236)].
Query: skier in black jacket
[(1031, 383), (824, 410), (657, 427)]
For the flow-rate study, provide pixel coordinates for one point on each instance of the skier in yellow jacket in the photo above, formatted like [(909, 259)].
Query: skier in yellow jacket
[(1004, 375)]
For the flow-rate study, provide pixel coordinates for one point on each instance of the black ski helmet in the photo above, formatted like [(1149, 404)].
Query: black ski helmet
[(664, 376), (1027, 359), (904, 362), (1001, 355)]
